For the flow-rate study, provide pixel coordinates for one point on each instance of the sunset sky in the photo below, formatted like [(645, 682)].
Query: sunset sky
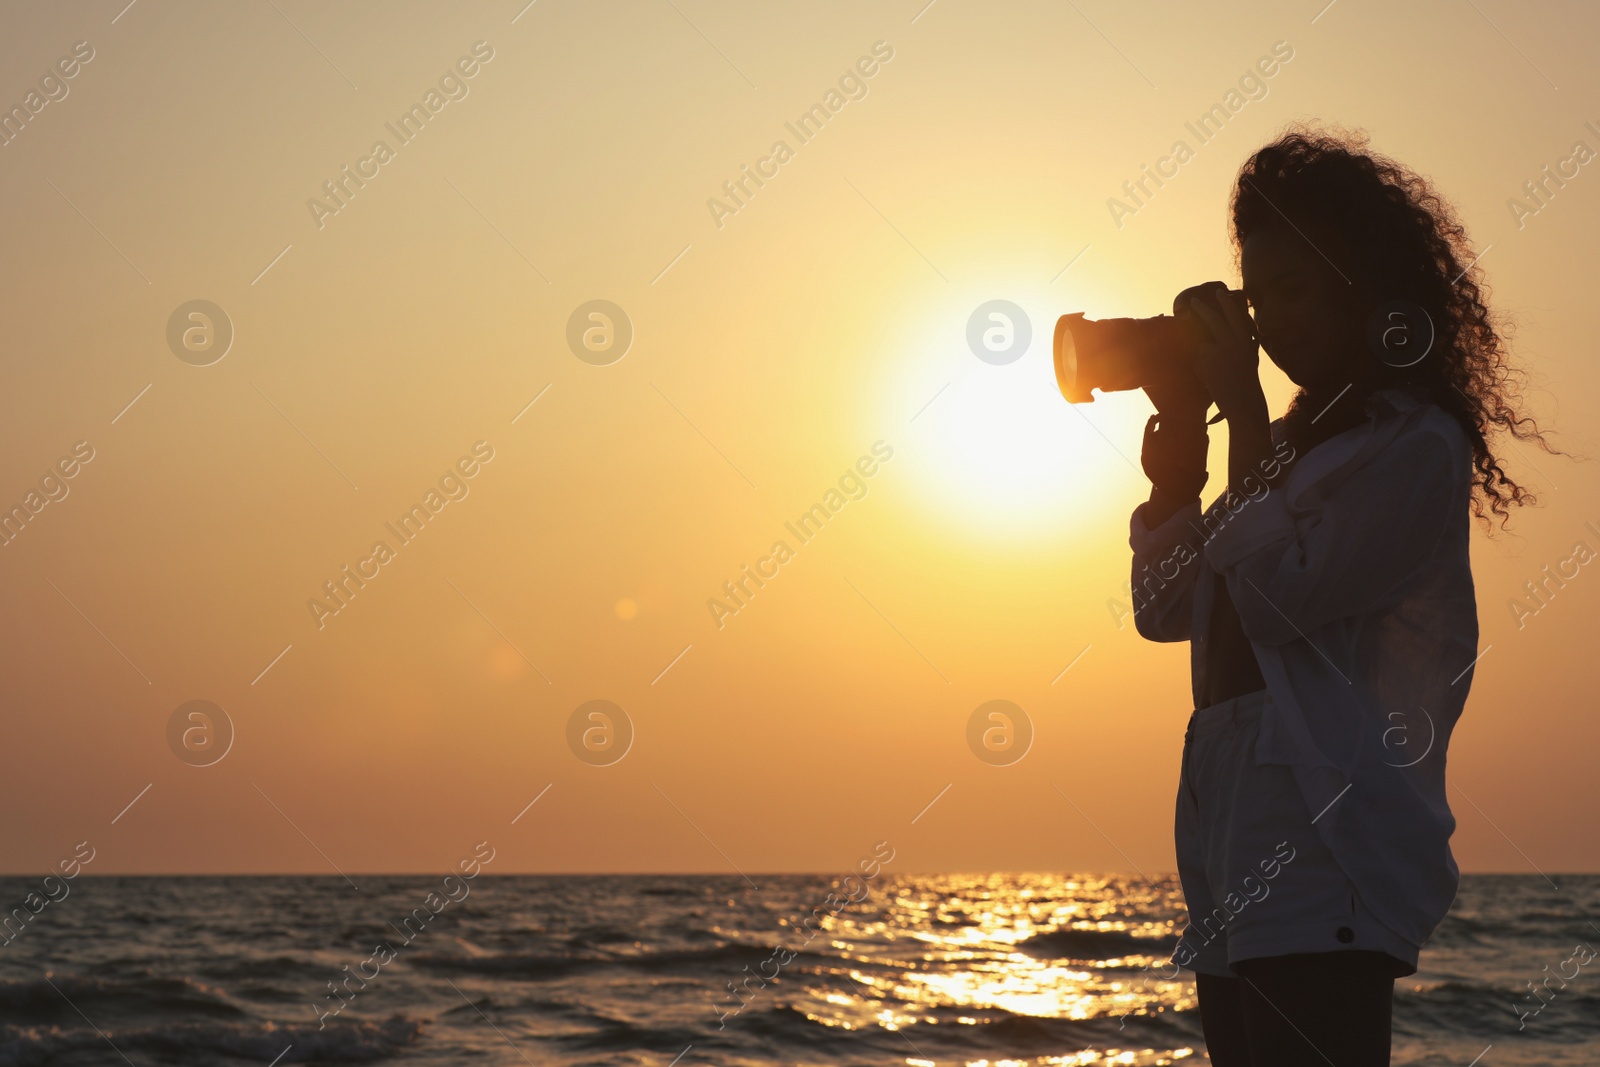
[(381, 350)]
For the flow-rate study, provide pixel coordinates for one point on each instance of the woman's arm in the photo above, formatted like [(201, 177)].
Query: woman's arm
[(1162, 530), (1249, 444), (1166, 562)]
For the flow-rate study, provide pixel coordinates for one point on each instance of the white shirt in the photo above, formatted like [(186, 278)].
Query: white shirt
[(1352, 581)]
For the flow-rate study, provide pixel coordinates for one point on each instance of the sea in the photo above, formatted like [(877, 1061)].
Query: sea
[(1020, 970)]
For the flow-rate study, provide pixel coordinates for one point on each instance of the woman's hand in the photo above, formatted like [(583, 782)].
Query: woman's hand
[(1174, 459), (1227, 361)]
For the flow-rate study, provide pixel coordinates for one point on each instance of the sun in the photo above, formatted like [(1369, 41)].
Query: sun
[(996, 446)]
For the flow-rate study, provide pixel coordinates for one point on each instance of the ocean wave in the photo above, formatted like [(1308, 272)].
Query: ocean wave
[(1070, 943), (1472, 1007), (340, 1042), (986, 1031), (732, 956), (147, 995)]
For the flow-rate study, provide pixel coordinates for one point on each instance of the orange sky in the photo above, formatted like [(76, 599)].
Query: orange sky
[(378, 346)]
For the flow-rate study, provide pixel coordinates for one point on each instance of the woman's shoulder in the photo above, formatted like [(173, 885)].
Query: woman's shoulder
[(1401, 427), (1407, 413)]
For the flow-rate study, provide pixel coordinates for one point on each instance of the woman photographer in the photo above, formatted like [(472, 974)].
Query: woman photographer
[(1330, 612)]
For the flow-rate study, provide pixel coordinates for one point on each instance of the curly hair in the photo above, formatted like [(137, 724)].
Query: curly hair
[(1394, 237)]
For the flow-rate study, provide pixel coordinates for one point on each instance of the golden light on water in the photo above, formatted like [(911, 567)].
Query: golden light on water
[(972, 951)]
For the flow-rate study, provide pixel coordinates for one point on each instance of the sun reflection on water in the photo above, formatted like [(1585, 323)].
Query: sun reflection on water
[(1012, 961)]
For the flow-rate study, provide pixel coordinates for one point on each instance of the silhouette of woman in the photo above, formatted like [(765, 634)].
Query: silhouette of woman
[(1326, 594)]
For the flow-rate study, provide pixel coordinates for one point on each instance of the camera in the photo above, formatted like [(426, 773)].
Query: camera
[(1113, 355)]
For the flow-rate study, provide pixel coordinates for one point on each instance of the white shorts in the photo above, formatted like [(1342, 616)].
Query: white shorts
[(1257, 878)]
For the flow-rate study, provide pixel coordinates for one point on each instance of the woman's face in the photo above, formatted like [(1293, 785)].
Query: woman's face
[(1306, 313)]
